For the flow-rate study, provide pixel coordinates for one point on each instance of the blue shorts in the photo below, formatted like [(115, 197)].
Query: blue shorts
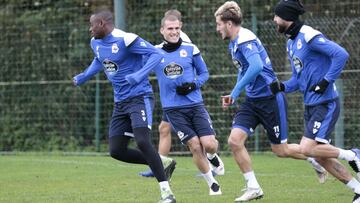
[(320, 120), (189, 122), (134, 112), (270, 111), (164, 118)]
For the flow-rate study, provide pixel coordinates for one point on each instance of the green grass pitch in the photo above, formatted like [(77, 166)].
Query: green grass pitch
[(29, 177)]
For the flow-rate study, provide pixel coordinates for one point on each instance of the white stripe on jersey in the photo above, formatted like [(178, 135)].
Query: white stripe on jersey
[(128, 37), (309, 32)]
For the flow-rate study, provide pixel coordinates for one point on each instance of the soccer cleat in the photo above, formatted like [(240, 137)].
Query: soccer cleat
[(355, 164), (250, 194), (217, 166), (169, 167), (148, 173), (215, 189), (356, 198), (167, 197), (321, 173)]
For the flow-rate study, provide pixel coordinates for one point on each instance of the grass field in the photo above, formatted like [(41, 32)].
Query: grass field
[(58, 178)]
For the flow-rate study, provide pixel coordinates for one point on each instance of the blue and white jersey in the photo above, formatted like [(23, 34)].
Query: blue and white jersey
[(242, 48), (120, 54), (313, 57), (183, 65), (184, 37)]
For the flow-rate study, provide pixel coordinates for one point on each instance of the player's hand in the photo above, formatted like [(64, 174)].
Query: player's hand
[(226, 101), (185, 88), (320, 87), (276, 87)]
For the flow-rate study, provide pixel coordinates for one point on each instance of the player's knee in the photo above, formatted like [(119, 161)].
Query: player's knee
[(164, 128), (305, 150), (116, 153), (194, 146), (211, 147), (281, 153), (235, 143)]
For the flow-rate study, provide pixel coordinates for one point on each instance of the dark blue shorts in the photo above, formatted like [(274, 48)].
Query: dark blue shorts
[(164, 118), (270, 111), (188, 122), (135, 112), (320, 120)]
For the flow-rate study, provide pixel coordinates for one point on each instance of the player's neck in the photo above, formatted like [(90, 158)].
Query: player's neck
[(234, 32)]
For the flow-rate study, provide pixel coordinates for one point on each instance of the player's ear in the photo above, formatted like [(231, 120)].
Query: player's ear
[(162, 30), (229, 23)]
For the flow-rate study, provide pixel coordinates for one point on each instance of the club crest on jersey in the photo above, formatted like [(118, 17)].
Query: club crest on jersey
[(183, 53), (109, 66), (297, 64), (316, 127), (299, 44), (237, 64), (173, 70), (114, 48)]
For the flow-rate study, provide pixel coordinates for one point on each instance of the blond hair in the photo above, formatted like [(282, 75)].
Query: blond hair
[(230, 11), (169, 18), (173, 12)]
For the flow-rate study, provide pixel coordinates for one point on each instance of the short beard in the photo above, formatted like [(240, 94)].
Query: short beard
[(281, 29)]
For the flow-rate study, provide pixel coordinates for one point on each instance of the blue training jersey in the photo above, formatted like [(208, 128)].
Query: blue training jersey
[(183, 65), (243, 48), (313, 57), (120, 54)]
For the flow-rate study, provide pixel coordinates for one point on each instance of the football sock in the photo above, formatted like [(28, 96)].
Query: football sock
[(347, 155), (250, 180), (209, 178), (142, 139), (164, 186), (354, 185), (315, 164)]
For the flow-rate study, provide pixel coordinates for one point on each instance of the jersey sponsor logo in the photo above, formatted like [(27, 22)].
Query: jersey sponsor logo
[(109, 66), (114, 48), (299, 44), (237, 64), (316, 127), (183, 53), (173, 70), (297, 64)]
